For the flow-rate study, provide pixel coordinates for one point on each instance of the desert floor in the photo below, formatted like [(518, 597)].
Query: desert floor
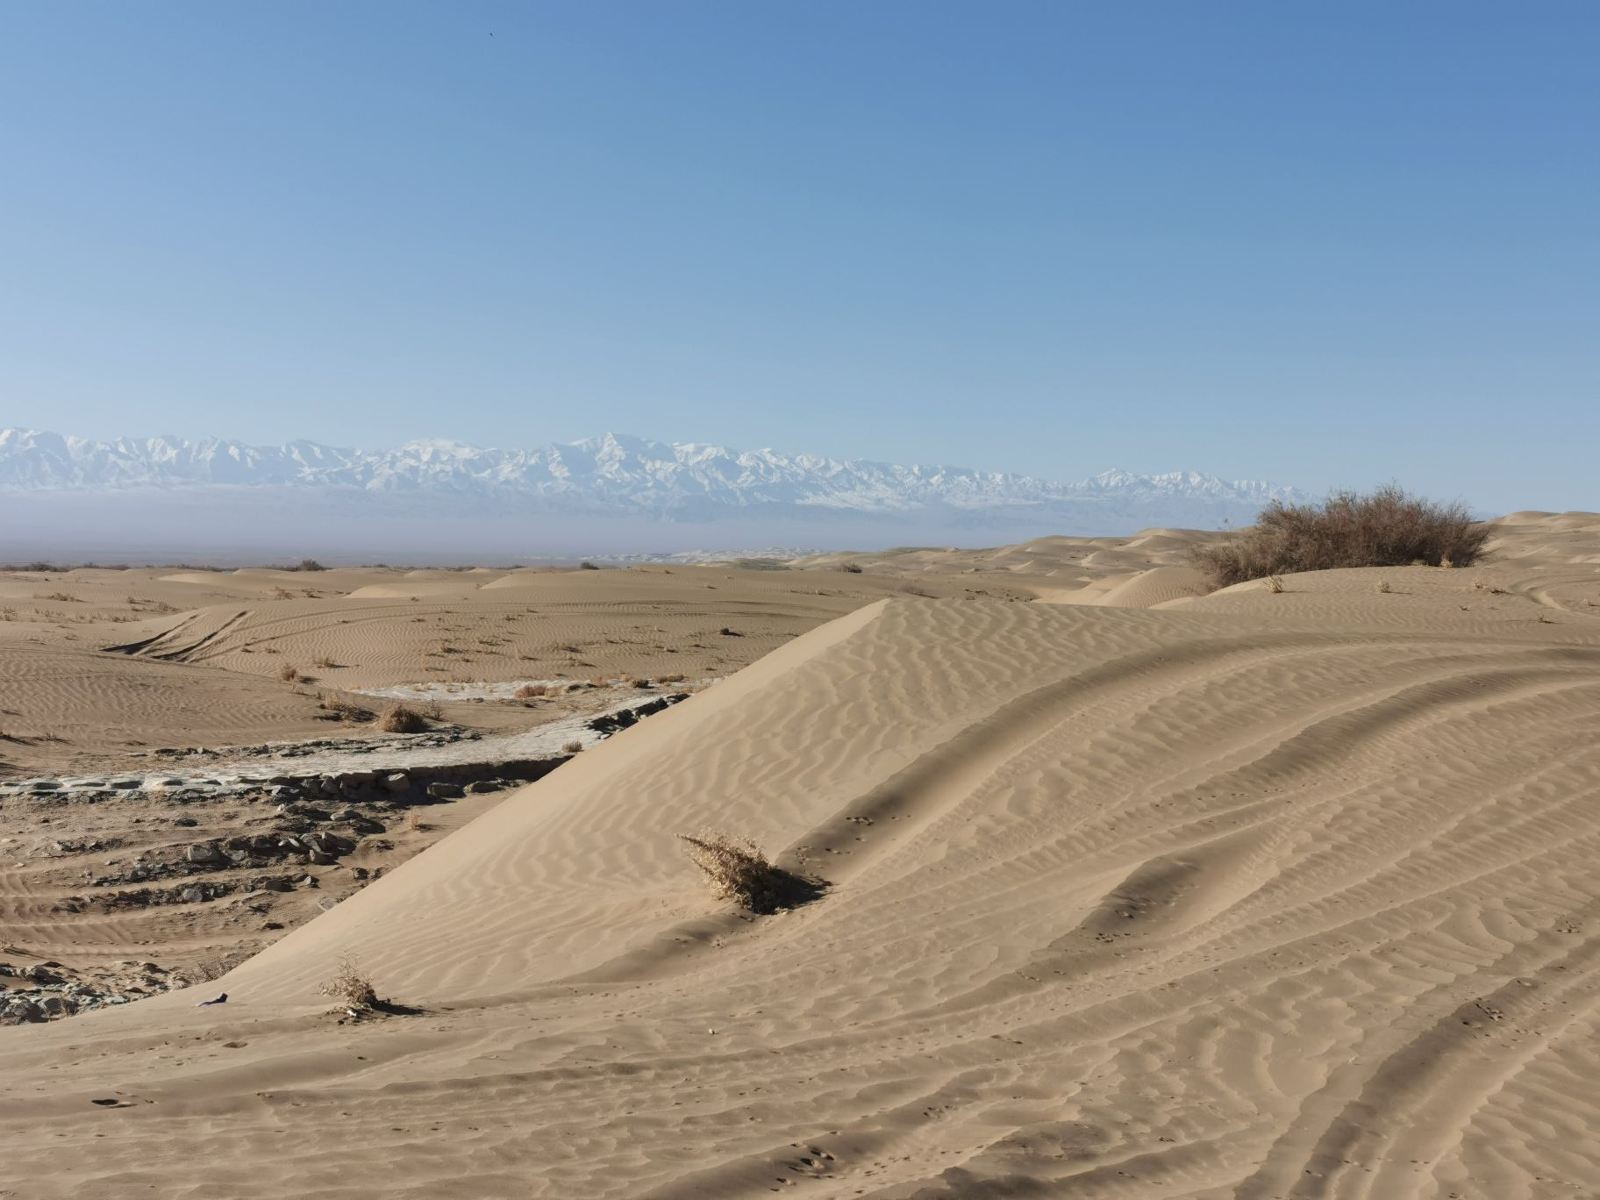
[(1130, 891)]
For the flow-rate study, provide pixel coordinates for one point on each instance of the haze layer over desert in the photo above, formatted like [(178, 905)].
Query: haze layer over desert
[(1116, 887)]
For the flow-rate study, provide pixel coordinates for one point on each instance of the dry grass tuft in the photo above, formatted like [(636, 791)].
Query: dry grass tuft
[(1385, 528), (335, 709), (402, 719), (573, 747), (350, 987), (1383, 586), (288, 672), (531, 691), (1274, 584), (323, 663)]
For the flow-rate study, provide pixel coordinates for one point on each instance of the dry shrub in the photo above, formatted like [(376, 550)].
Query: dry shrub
[(1274, 585), (336, 709), (349, 986), (1385, 528), (400, 718), (677, 677), (530, 691), (573, 747), (323, 663), (288, 672), (738, 870)]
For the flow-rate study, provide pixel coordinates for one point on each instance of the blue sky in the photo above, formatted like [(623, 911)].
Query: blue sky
[(1326, 243)]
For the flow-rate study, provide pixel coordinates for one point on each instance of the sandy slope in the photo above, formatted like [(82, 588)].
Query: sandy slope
[(1260, 896), (66, 706)]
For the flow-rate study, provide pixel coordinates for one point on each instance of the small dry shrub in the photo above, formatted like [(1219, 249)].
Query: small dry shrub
[(1383, 586), (677, 677), (323, 662), (530, 691), (573, 747), (400, 718), (1385, 528), (349, 986), (336, 709), (737, 870), (288, 672), (1274, 584)]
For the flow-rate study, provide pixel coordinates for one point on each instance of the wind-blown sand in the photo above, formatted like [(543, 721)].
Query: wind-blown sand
[(1248, 896)]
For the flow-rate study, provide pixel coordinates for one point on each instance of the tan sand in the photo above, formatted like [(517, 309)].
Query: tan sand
[(1261, 895)]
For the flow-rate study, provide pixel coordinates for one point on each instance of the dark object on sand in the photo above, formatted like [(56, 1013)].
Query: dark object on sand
[(221, 998)]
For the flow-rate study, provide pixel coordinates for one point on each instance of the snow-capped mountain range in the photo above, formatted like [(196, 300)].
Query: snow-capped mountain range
[(616, 476)]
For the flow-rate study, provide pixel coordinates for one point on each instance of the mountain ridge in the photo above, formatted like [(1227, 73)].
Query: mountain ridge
[(619, 475)]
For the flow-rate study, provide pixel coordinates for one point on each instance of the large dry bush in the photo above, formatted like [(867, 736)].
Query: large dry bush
[(1385, 528)]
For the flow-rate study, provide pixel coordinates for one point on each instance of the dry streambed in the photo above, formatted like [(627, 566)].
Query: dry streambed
[(221, 851)]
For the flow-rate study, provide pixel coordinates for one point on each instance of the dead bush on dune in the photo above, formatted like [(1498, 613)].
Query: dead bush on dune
[(401, 719), (737, 870), (1385, 528), (289, 673), (532, 691), (350, 987)]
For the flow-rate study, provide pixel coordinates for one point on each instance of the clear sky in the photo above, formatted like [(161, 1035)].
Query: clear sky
[(1324, 243)]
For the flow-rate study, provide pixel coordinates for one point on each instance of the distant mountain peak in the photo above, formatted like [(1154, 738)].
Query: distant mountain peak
[(620, 475)]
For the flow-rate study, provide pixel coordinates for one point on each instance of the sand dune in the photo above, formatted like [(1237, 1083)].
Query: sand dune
[(1262, 895)]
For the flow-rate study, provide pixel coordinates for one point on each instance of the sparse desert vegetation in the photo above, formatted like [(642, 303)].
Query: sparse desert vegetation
[(401, 718), (1388, 527), (335, 708), (738, 870), (350, 987)]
